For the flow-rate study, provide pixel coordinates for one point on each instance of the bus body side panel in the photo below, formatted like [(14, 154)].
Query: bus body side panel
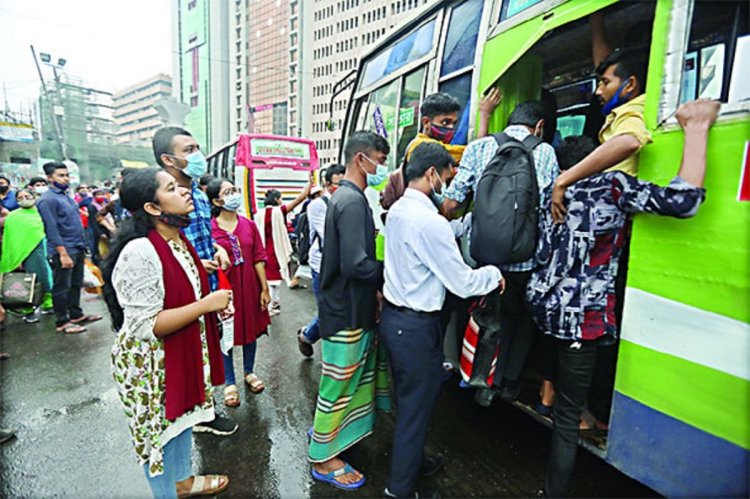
[(682, 402)]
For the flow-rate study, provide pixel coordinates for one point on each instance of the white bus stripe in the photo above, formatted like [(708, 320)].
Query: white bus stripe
[(671, 327)]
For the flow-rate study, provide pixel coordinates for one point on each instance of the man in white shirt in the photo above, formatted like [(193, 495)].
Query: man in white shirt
[(316, 217), (422, 260)]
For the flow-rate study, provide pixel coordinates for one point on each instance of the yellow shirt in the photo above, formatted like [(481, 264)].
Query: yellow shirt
[(455, 151), (627, 119)]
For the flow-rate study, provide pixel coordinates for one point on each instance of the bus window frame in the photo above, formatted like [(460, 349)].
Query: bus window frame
[(438, 18), (530, 13), (674, 64)]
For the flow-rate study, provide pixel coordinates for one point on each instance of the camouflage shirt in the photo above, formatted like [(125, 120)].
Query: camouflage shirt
[(572, 293)]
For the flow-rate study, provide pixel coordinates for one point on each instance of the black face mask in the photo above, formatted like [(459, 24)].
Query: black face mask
[(4, 189), (179, 221)]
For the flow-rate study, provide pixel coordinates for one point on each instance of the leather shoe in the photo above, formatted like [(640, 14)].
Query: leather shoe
[(431, 465)]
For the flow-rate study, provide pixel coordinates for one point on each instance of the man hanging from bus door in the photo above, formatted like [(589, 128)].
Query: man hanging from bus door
[(580, 317)]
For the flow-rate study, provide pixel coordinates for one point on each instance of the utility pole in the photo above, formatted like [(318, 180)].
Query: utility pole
[(55, 119)]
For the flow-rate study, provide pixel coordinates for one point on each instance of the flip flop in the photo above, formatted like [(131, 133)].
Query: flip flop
[(298, 286), (330, 478), (255, 384), (85, 319), (70, 328), (208, 485)]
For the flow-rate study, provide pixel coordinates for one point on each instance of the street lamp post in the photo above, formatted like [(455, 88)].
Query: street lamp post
[(46, 58)]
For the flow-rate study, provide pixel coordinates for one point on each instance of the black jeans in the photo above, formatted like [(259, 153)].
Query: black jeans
[(517, 333), (414, 345), (66, 288), (576, 367)]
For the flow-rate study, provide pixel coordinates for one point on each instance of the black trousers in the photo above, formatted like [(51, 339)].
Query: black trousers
[(576, 367), (66, 288), (414, 345), (518, 328)]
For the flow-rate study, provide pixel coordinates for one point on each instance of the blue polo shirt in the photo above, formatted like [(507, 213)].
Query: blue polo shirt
[(62, 223)]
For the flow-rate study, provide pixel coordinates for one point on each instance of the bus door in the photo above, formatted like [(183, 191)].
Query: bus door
[(264, 162)]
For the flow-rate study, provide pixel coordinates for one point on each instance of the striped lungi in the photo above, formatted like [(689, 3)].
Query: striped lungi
[(353, 384)]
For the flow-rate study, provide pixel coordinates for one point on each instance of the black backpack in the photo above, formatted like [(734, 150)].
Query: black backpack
[(302, 233), (506, 204)]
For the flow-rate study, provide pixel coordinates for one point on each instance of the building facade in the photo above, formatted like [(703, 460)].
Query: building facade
[(134, 113), (325, 47), (260, 60), (201, 68)]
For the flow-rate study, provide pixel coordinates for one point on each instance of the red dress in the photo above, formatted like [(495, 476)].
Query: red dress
[(273, 269), (244, 245)]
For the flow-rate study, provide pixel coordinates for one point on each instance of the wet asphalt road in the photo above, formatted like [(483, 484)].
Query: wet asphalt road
[(58, 394)]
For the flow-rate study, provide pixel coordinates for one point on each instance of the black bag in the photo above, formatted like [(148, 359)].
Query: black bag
[(506, 204), (302, 232), (20, 290)]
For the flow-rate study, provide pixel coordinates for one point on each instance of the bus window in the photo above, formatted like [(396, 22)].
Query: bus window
[(408, 122), (380, 116), (460, 88), (415, 45), (461, 42), (717, 53), (512, 7)]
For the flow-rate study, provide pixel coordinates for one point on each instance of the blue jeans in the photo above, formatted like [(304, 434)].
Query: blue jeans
[(312, 331), (177, 466), (248, 362)]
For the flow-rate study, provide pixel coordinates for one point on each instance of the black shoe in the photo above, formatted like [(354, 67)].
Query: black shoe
[(484, 396), (431, 465), (305, 348), (219, 426), (423, 493), (510, 391), (6, 434)]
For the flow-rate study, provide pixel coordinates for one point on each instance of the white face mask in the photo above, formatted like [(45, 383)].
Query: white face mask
[(41, 189)]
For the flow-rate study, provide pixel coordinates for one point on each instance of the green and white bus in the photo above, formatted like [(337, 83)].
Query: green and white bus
[(681, 409)]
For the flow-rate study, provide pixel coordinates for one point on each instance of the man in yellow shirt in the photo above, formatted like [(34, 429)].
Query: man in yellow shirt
[(622, 79)]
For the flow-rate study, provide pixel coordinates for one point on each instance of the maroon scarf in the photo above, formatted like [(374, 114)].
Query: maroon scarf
[(183, 356)]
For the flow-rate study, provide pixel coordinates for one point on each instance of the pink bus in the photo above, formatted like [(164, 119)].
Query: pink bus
[(257, 162)]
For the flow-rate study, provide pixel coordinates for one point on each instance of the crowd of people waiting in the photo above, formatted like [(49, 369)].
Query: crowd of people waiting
[(187, 278)]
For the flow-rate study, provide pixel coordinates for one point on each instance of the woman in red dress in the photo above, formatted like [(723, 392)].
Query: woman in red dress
[(277, 256), (241, 239)]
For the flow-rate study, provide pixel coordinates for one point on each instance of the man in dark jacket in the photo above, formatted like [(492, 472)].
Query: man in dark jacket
[(351, 278)]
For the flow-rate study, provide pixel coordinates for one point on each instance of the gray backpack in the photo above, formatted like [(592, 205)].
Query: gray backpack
[(506, 204)]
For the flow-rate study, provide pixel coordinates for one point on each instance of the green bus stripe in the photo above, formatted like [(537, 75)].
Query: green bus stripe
[(710, 400)]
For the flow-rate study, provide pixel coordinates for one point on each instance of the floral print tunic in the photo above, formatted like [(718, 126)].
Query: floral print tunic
[(138, 355)]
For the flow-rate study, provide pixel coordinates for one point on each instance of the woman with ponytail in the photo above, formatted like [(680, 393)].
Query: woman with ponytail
[(240, 237), (166, 354)]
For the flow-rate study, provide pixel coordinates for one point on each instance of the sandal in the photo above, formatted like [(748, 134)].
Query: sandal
[(231, 396), (299, 285), (207, 485), (330, 478), (255, 384), (85, 319), (70, 328)]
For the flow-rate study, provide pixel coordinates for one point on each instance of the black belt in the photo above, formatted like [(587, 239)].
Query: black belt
[(409, 311)]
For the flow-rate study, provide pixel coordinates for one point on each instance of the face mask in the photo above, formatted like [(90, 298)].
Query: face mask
[(83, 195), (233, 202), (179, 221), (377, 178), (41, 190), (99, 199), (437, 198), (4, 189), (27, 203), (441, 133), (196, 165), (615, 101), (62, 187)]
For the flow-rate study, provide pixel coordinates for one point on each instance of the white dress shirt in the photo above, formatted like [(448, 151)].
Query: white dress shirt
[(422, 258)]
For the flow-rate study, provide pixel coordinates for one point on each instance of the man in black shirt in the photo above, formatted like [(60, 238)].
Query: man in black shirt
[(353, 383)]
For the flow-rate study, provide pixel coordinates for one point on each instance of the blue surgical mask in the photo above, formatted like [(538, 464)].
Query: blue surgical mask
[(197, 166), (381, 173), (615, 101), (232, 202), (437, 197)]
